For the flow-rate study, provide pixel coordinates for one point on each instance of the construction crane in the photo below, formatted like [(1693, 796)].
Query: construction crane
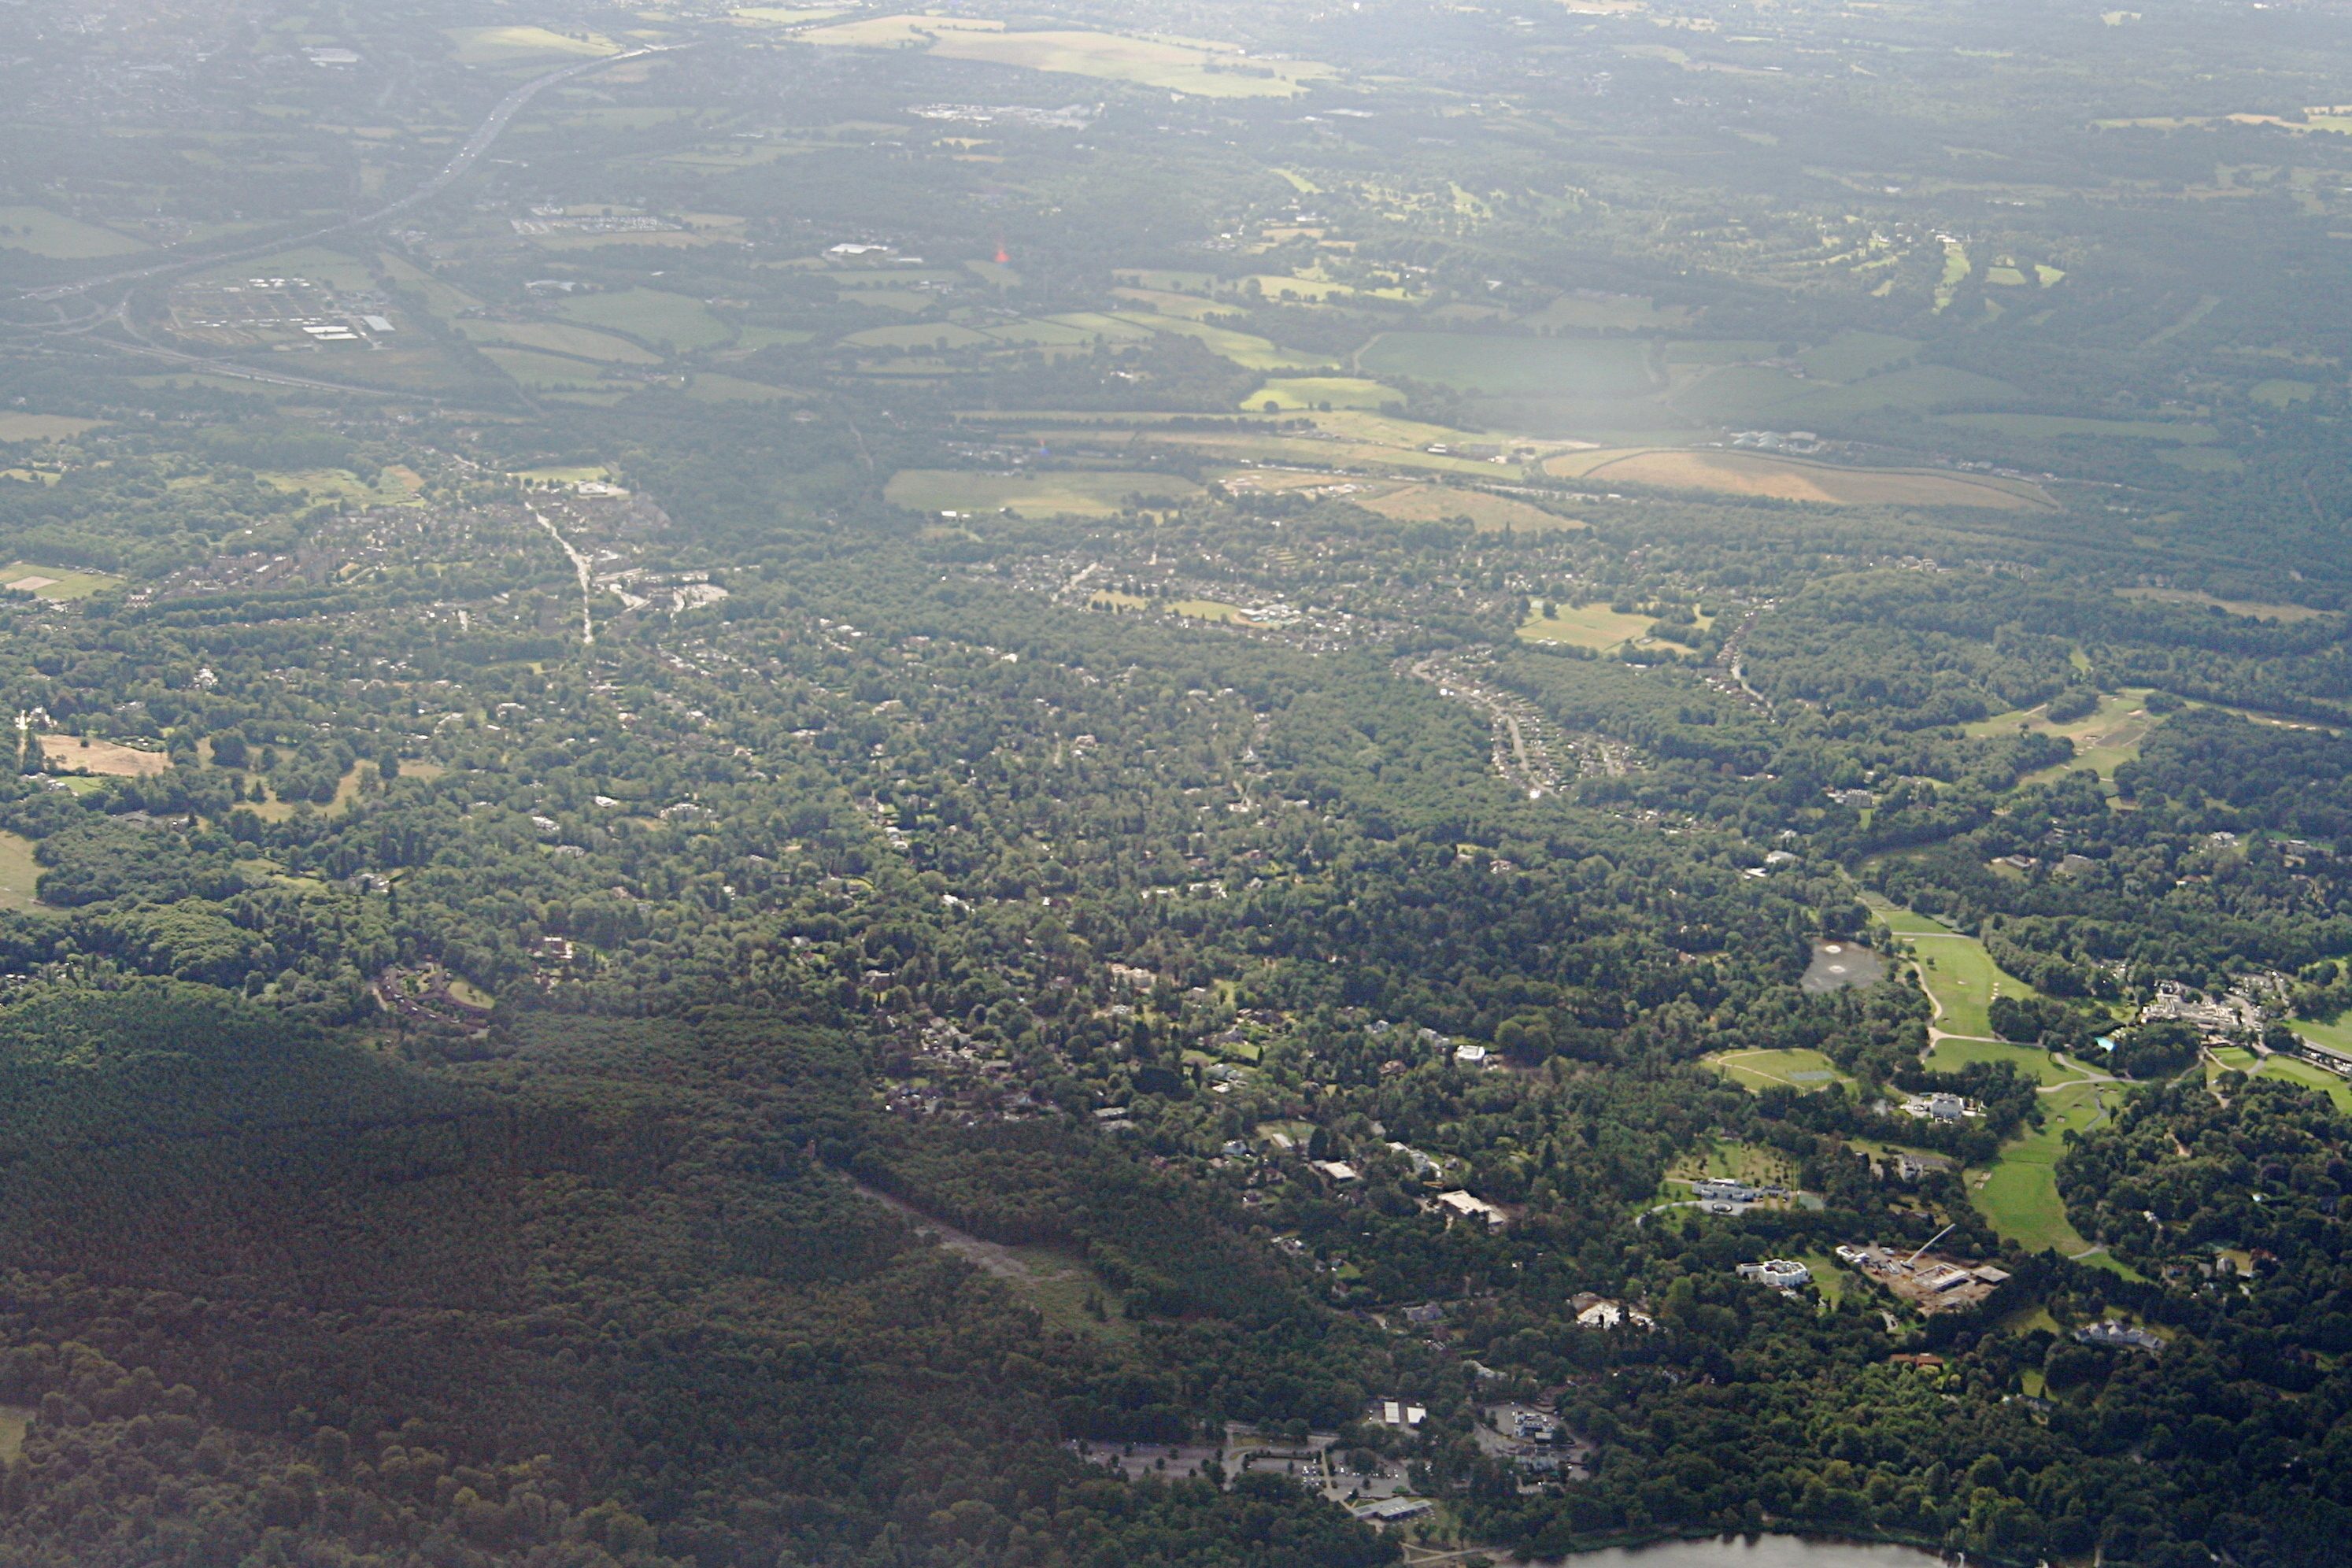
[(1928, 1243)]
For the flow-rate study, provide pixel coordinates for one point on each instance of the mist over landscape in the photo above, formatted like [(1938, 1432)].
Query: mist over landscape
[(1176, 785)]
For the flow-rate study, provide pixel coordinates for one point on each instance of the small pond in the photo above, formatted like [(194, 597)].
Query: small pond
[(1839, 965)]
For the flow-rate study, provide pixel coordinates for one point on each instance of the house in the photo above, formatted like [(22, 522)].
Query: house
[(1720, 1190), (2119, 1336), (1470, 1056), (1335, 1169), (1464, 1206), (1781, 1273), (1394, 1510), (1427, 1312)]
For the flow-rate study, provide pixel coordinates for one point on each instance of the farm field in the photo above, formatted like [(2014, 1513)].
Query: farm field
[(54, 236), (1550, 368), (652, 316), (1797, 478), (1853, 355), (54, 582), (1204, 70), (1070, 493), (554, 337), (1287, 395), (2052, 427), (1588, 312), (522, 45), (543, 372), (43, 427), (1487, 513), (1593, 626), (1793, 1069), (709, 386), (76, 753), (391, 487)]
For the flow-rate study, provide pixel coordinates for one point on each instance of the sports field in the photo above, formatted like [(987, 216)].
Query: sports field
[(1073, 493), (54, 582), (1593, 626), (1757, 1070), (1797, 478)]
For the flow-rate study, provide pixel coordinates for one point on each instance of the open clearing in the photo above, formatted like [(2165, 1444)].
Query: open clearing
[(15, 1420), (554, 337), (60, 238), (1516, 367), (1951, 1055), (2056, 426), (1071, 493), (19, 873), (652, 316), (2109, 736), (43, 427), (53, 582), (1487, 513), (513, 46), (1289, 393), (1797, 478), (1204, 70), (1958, 973), (2256, 608), (1593, 626), (2020, 1194), (75, 754), (1797, 1068)]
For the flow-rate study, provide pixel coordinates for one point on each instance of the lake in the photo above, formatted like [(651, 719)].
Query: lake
[(1839, 965)]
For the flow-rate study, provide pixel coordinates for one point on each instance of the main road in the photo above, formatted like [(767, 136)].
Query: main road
[(476, 145)]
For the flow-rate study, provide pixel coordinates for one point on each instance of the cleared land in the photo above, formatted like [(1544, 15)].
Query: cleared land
[(1204, 70), (1951, 1055), (54, 582), (652, 316), (2109, 736), (1487, 513), (1757, 1070), (1516, 367), (1797, 479), (1594, 625), (1073, 493), (58, 237), (43, 427), (72, 753), (19, 873), (2256, 608), (517, 45), (1288, 394)]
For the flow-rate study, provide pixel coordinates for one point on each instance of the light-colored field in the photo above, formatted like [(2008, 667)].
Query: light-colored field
[(2256, 608), (542, 371), (2055, 427), (58, 237), (1757, 1070), (2109, 736), (1286, 394), (555, 337), (1245, 349), (922, 335), (43, 427), (74, 753), (1852, 355), (15, 1420), (54, 582), (1072, 493), (1210, 610), (1797, 478), (1189, 306), (1487, 513), (1593, 626), (19, 873), (650, 315), (391, 487), (1558, 368), (1206, 70), (519, 45)]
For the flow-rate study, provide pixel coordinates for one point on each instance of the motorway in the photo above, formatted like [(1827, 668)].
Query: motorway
[(476, 145)]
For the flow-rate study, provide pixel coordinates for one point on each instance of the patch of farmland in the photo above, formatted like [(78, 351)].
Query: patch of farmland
[(1064, 493), (1205, 71), (555, 337), (651, 316), (42, 426), (1593, 626), (1797, 480), (519, 45), (57, 237), (1288, 394), (1487, 513)]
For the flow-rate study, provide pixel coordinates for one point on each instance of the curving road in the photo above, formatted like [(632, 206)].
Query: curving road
[(476, 145)]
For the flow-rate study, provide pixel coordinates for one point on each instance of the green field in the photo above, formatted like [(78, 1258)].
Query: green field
[(1288, 394), (650, 315), (1593, 626), (1605, 312), (2109, 736), (1245, 349), (2020, 1194), (60, 238), (709, 386), (2310, 1076), (1951, 1055), (519, 45), (61, 581), (554, 337), (542, 371), (1209, 70), (1782, 1069), (1563, 368), (19, 873), (1851, 356), (390, 487), (2338, 1035), (1955, 969), (17, 426), (2053, 426), (1075, 493)]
